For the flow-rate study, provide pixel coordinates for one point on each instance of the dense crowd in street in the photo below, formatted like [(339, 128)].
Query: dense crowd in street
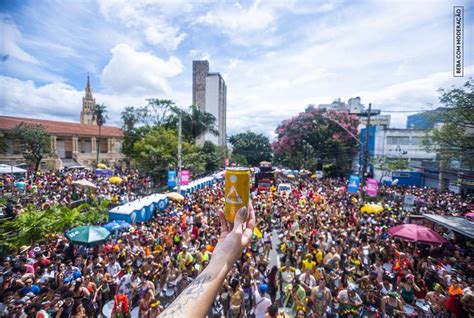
[(44, 189), (314, 255)]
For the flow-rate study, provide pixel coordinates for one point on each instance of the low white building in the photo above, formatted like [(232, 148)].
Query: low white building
[(399, 143)]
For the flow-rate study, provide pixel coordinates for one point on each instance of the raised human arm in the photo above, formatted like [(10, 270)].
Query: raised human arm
[(198, 297)]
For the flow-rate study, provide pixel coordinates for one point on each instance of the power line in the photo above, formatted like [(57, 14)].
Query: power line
[(404, 111)]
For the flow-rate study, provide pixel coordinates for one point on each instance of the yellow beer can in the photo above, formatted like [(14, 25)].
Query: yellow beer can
[(237, 191)]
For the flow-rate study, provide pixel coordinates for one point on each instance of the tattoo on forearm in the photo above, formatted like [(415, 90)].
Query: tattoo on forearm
[(192, 292)]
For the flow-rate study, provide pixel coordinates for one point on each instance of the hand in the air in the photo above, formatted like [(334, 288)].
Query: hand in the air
[(235, 237)]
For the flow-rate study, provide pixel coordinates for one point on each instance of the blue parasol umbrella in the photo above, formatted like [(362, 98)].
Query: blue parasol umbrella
[(123, 224), (112, 226)]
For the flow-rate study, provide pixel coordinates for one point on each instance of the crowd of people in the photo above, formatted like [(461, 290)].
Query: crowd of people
[(47, 188), (312, 254)]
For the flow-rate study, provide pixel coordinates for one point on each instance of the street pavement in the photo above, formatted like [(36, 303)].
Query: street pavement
[(274, 258)]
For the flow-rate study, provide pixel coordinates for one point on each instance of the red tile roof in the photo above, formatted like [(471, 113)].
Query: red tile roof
[(61, 127)]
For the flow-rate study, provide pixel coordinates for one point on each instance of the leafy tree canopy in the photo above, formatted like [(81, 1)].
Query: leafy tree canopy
[(35, 142), (455, 139), (316, 137), (3, 144), (36, 224), (156, 151), (388, 165), (252, 146), (194, 121)]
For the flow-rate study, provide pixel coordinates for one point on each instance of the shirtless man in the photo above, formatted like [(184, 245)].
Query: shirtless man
[(436, 300)]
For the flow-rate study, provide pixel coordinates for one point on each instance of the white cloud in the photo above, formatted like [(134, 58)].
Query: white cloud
[(355, 52), (252, 25), (57, 101), (24, 98), (238, 18), (138, 73), (197, 54), (413, 95), (11, 37), (153, 18), (319, 50)]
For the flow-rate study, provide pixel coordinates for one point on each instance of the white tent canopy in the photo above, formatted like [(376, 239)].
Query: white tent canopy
[(84, 183), (5, 169)]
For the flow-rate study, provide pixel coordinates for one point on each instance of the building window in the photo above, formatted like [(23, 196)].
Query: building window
[(417, 141), (118, 146), (86, 146), (400, 175), (398, 140), (16, 147)]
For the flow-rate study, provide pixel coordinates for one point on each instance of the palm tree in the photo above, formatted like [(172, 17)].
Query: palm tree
[(201, 122), (99, 116), (195, 122)]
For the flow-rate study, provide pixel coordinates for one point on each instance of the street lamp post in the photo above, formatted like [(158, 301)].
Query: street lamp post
[(365, 161), (180, 140)]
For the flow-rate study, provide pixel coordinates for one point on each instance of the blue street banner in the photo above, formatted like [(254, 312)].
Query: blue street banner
[(171, 178), (353, 185)]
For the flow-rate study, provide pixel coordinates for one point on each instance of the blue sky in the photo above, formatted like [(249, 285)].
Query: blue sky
[(275, 56)]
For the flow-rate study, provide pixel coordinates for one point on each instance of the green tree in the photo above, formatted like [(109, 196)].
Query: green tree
[(195, 122), (25, 229), (3, 144), (388, 165), (454, 140), (316, 137), (154, 114), (130, 117), (134, 129), (139, 121), (35, 224), (194, 160), (254, 147), (93, 213), (64, 218), (156, 152), (157, 112), (35, 142), (214, 157), (238, 160), (100, 117)]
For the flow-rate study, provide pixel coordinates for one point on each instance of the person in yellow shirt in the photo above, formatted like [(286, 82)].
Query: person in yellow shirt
[(318, 254), (114, 199), (308, 263), (185, 259)]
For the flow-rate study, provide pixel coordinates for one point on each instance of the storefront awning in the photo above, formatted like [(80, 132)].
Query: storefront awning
[(457, 224)]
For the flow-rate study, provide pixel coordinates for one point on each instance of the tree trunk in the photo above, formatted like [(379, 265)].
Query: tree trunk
[(37, 163)]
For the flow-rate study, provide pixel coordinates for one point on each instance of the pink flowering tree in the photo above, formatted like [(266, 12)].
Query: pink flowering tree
[(317, 137)]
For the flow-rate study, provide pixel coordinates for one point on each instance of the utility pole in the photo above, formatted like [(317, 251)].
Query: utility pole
[(365, 162), (180, 140)]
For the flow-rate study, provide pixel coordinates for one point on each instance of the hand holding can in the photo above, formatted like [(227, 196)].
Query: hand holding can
[(237, 191)]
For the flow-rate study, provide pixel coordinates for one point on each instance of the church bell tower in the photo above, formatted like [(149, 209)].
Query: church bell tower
[(88, 105)]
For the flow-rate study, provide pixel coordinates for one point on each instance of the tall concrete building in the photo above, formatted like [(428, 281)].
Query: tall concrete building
[(210, 95)]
